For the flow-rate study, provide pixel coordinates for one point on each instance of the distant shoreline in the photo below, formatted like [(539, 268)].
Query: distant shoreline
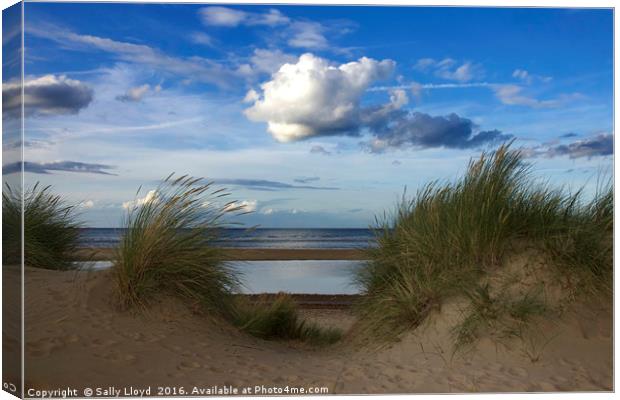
[(248, 254)]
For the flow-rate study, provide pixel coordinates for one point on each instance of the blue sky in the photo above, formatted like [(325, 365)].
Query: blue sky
[(311, 116)]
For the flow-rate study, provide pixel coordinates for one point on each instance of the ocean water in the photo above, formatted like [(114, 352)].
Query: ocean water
[(258, 238), (294, 276)]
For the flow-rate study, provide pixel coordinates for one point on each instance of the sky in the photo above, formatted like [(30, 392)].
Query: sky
[(311, 116)]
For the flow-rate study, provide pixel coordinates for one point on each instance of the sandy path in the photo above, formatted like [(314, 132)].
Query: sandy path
[(75, 337)]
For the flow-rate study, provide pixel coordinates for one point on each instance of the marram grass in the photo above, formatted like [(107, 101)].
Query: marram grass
[(169, 248), (280, 320), (441, 242), (51, 228)]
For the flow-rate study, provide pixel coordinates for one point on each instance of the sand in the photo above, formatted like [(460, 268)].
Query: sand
[(104, 254), (76, 338)]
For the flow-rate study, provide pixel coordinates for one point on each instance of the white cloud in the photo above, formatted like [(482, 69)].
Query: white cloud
[(87, 204), (265, 61), (398, 98), (244, 206), (314, 97), (202, 38), (230, 17), (151, 196), (270, 61), (523, 75), (221, 16), (272, 18), (451, 70), (308, 35), (513, 95), (529, 78), (137, 93)]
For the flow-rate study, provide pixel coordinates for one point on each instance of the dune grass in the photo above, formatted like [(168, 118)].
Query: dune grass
[(441, 242), (280, 320), (168, 248), (51, 228), (499, 314), (582, 254)]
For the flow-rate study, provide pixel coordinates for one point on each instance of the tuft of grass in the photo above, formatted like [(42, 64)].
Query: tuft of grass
[(445, 239), (582, 253), (51, 230), (280, 320), (168, 246), (501, 315)]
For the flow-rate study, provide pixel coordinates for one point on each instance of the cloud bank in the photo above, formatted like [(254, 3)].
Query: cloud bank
[(404, 129)]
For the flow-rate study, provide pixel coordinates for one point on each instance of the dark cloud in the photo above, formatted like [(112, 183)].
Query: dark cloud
[(319, 150), (568, 135), (265, 185), (396, 162), (47, 168), (307, 179), (46, 95), (402, 129), (598, 146)]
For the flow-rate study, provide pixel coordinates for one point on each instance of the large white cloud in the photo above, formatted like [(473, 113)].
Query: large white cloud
[(314, 97)]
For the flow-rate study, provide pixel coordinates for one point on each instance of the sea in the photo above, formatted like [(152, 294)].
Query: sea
[(267, 238), (292, 276)]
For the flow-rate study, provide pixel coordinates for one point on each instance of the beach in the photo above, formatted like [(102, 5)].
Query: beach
[(247, 254), (76, 337)]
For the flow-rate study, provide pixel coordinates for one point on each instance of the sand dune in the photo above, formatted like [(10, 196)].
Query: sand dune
[(77, 338)]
